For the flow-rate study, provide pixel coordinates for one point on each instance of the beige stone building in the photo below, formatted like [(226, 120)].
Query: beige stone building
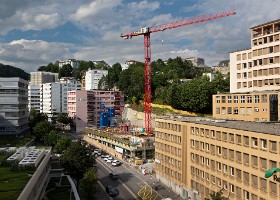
[(255, 106), (196, 156), (257, 68)]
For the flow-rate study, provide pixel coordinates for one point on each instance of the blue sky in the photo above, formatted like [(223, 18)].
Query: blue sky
[(38, 32)]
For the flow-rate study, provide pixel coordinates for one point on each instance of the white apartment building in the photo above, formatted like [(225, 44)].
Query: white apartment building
[(53, 96), (34, 97), (73, 62), (197, 62), (93, 77), (38, 78), (257, 68), (13, 106)]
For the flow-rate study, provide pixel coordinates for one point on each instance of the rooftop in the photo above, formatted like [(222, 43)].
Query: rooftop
[(265, 24), (258, 127)]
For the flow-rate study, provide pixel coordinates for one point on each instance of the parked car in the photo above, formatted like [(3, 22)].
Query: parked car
[(113, 176), (112, 192), (116, 163)]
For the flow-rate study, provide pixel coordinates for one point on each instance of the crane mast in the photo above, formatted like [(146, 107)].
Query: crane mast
[(146, 31)]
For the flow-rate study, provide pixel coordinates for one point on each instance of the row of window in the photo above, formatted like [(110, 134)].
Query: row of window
[(239, 157), (231, 189), (242, 140), (168, 137), (266, 39), (168, 171), (242, 99), (169, 126), (258, 73), (245, 111), (168, 148), (168, 160), (259, 83)]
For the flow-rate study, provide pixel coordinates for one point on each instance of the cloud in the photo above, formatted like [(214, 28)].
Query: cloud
[(30, 54)]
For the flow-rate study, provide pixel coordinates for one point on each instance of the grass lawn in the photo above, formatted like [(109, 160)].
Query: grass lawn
[(14, 141), (12, 183)]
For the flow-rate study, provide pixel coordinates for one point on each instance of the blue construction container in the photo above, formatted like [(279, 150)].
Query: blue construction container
[(103, 119), (111, 112)]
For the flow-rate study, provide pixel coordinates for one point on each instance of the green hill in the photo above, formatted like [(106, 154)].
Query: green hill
[(10, 71)]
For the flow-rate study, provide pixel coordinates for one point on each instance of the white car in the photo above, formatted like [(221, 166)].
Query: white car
[(109, 161), (116, 163), (110, 158)]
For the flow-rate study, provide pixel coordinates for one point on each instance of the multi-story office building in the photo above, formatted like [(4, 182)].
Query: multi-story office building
[(84, 106), (54, 96), (33, 97), (38, 78), (255, 106), (13, 106), (73, 62), (257, 68), (93, 77), (196, 156)]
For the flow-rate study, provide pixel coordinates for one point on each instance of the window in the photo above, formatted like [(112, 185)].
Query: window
[(242, 99), (246, 195), (235, 110), (225, 185), (256, 99), (207, 147), (225, 169), (254, 161), (202, 174), (202, 160), (213, 133), (207, 162), (202, 145), (219, 150), (264, 143), (231, 171), (231, 188), (229, 99), (249, 99), (235, 99), (255, 142), (219, 166)]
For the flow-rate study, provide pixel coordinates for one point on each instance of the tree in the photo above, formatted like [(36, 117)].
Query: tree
[(41, 129), (65, 71), (89, 183), (50, 68), (62, 144), (216, 196), (35, 117), (76, 160), (63, 118), (51, 138), (219, 84), (10, 71)]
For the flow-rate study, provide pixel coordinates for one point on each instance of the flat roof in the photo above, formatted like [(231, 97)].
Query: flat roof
[(265, 24), (258, 127)]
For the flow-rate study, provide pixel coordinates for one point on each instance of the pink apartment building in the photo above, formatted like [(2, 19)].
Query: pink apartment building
[(84, 106)]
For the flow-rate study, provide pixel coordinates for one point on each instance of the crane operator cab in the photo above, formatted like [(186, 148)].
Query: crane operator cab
[(145, 30)]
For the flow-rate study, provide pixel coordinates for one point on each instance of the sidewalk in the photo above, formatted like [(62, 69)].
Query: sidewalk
[(163, 191)]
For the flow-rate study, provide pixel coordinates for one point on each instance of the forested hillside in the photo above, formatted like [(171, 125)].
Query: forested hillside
[(10, 71)]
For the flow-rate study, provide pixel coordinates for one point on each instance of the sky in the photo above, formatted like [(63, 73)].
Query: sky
[(38, 32)]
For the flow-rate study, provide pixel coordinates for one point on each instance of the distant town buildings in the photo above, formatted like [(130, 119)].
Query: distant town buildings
[(93, 77), (197, 62), (13, 106), (223, 67), (53, 96), (38, 78), (73, 62)]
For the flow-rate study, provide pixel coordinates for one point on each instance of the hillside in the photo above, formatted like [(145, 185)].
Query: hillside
[(10, 71)]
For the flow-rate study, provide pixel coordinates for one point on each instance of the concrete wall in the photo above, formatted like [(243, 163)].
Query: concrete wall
[(36, 186)]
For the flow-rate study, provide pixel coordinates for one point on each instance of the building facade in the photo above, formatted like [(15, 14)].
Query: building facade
[(84, 106), (257, 68), (255, 106), (38, 78), (93, 77), (34, 97), (197, 62), (73, 62), (196, 156), (54, 96), (13, 106)]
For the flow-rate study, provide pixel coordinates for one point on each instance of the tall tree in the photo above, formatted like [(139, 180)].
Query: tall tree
[(35, 117), (76, 160), (219, 84), (89, 183), (51, 138), (41, 130), (65, 71), (62, 143)]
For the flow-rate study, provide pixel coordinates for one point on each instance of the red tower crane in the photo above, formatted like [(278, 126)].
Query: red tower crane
[(146, 31)]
